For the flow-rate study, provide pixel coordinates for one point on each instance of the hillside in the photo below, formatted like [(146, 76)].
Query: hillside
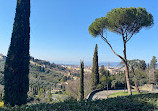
[(44, 77), (38, 63)]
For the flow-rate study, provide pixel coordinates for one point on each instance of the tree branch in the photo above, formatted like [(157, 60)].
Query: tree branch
[(132, 34), (112, 48)]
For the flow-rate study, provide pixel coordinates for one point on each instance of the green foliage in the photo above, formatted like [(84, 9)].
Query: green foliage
[(123, 21), (75, 74), (105, 78), (40, 82), (100, 86), (97, 27), (141, 102), (119, 81), (95, 70), (51, 76), (64, 79), (142, 65), (141, 77), (1, 79), (43, 69), (16, 70), (153, 63), (102, 70), (81, 85), (135, 63), (49, 96), (47, 64), (131, 19), (2, 62), (156, 77), (139, 67)]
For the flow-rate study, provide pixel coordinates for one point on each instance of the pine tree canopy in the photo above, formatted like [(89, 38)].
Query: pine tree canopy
[(122, 20)]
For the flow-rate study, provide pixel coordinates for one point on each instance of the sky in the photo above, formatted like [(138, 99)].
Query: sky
[(59, 30)]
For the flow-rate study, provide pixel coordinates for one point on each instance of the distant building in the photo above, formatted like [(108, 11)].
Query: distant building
[(55, 90), (114, 70)]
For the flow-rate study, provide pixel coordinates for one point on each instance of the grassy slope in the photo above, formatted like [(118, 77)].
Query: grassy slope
[(142, 102)]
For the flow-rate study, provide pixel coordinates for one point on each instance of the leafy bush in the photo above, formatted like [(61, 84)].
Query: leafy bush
[(142, 102), (100, 86)]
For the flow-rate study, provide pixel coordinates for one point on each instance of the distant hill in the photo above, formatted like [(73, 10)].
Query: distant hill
[(45, 64), (37, 62), (112, 64), (43, 77), (41, 71)]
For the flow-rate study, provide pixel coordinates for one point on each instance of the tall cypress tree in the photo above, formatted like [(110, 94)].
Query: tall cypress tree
[(16, 81), (153, 63), (95, 70), (81, 87)]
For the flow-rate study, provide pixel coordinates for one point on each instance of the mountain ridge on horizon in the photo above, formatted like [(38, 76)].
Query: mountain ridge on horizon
[(113, 64)]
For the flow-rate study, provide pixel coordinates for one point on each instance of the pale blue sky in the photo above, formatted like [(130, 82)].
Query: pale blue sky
[(59, 30)]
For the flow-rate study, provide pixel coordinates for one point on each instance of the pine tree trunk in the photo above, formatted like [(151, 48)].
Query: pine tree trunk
[(136, 87), (135, 81), (126, 67), (127, 79)]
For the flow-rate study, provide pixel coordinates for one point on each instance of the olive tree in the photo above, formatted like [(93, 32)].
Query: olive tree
[(135, 64), (125, 22)]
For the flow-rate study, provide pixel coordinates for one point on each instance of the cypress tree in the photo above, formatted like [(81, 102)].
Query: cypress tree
[(43, 69), (16, 81), (81, 86), (95, 70), (153, 63)]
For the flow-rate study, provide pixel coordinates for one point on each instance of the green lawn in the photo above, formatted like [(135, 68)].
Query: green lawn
[(124, 94), (60, 97)]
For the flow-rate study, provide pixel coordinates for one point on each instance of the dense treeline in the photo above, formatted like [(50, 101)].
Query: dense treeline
[(46, 64), (143, 75), (40, 82)]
